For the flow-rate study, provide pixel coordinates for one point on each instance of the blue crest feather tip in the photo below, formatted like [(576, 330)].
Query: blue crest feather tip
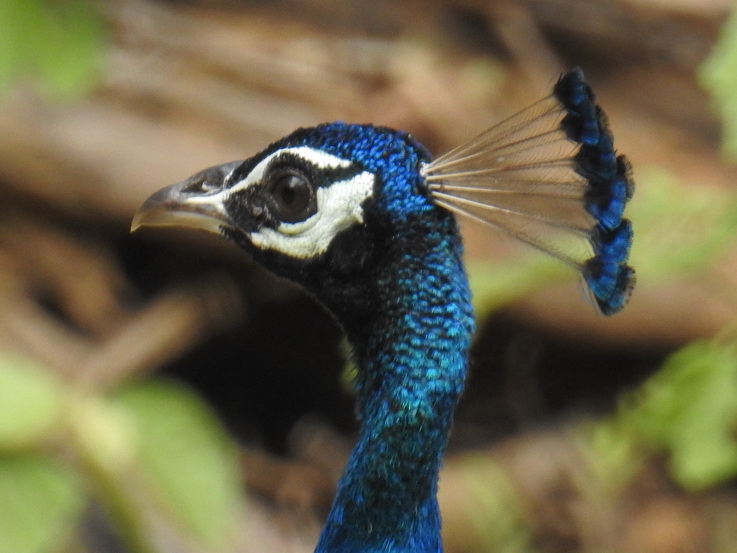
[(611, 186)]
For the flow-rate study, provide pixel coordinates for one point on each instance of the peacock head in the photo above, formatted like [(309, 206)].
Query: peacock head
[(326, 206)]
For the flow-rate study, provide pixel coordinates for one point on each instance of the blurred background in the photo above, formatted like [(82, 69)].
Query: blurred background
[(160, 393)]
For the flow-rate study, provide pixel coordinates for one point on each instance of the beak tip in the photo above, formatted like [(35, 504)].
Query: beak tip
[(146, 214), (136, 222), (181, 204)]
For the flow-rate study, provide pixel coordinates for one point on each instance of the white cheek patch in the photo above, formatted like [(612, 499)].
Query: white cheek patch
[(317, 158), (338, 208)]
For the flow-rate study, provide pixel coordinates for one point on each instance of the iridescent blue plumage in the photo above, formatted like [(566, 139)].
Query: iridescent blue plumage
[(581, 123), (411, 369), (393, 154), (364, 220)]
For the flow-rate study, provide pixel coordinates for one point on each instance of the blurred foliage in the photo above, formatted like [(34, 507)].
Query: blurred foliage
[(719, 76), (685, 413), (496, 284), (494, 508), (30, 405), (691, 246), (190, 459), (151, 453), (39, 502), (58, 45), (687, 410)]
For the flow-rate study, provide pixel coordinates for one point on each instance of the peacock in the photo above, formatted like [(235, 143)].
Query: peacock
[(364, 219)]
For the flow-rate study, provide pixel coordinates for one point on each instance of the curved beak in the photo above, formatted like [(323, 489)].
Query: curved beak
[(197, 202)]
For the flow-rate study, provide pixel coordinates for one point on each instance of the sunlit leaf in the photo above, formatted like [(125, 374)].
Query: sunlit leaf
[(679, 230), (496, 284), (188, 457), (690, 406), (719, 77), (54, 44), (30, 403), (39, 504), (688, 410), (68, 66)]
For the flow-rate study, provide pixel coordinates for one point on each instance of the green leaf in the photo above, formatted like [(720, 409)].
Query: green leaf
[(188, 458), (500, 283), (14, 23), (689, 408), (679, 230), (718, 76), (39, 504), (58, 43), (69, 64), (30, 403)]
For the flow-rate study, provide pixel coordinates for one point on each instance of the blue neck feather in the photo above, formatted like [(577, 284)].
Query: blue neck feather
[(411, 370)]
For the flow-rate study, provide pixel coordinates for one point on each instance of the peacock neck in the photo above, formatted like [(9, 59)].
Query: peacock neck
[(411, 362)]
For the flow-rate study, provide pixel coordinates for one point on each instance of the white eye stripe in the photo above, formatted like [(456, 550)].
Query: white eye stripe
[(339, 207), (317, 158)]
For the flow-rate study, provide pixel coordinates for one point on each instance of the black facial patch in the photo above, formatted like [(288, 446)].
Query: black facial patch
[(249, 209), (351, 250)]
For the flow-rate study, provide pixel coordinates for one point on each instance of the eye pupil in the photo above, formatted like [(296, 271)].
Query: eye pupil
[(290, 191), (293, 197)]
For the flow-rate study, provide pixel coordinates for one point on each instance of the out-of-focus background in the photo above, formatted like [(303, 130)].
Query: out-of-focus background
[(160, 393)]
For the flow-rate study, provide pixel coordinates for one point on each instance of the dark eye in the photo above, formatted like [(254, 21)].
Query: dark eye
[(293, 197)]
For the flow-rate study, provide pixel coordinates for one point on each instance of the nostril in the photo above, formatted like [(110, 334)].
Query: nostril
[(201, 185)]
